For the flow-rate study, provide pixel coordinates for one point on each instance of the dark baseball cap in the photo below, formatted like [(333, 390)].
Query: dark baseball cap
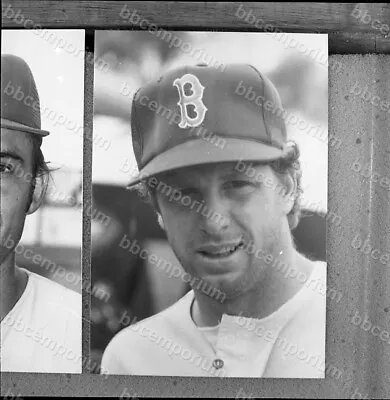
[(20, 107), (200, 114)]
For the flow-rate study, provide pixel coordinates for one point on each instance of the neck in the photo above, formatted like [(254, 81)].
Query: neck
[(274, 290), (12, 284)]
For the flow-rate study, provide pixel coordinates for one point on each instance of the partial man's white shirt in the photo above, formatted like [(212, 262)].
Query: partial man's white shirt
[(289, 343), (42, 332)]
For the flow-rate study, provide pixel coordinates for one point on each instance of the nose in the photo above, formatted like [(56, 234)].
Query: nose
[(214, 216)]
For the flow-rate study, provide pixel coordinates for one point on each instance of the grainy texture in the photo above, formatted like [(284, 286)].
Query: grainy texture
[(347, 33), (87, 192), (379, 229), (351, 195), (361, 358)]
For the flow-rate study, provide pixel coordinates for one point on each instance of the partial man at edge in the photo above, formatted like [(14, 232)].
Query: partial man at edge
[(40, 319)]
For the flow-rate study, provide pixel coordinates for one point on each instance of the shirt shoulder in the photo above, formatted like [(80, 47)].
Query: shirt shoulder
[(53, 297), (57, 308), (46, 325), (124, 348), (313, 308), (300, 348)]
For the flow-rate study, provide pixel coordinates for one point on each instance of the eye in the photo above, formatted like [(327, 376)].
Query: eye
[(188, 191), (6, 168), (238, 184)]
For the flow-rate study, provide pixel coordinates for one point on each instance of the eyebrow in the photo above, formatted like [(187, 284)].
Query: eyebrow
[(229, 171), (11, 154)]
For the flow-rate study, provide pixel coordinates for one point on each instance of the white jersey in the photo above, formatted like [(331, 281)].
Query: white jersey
[(42, 332), (288, 343)]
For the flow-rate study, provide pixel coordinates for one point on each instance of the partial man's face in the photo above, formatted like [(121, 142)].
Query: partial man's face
[(219, 212), (16, 186)]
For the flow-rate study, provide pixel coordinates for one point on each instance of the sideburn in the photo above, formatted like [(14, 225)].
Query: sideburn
[(31, 194)]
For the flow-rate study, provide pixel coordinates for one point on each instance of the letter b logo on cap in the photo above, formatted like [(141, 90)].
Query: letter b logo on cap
[(194, 99)]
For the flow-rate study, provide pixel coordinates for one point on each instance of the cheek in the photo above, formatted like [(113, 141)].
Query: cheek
[(180, 228), (14, 202), (259, 207), (258, 215), (13, 217), (175, 223), (177, 227)]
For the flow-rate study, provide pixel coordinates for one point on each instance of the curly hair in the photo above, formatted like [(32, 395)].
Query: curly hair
[(287, 164), (40, 166)]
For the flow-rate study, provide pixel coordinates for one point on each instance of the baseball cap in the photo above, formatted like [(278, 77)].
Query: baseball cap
[(20, 107), (200, 114)]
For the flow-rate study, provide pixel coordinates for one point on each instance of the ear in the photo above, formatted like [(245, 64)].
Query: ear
[(39, 190), (289, 193)]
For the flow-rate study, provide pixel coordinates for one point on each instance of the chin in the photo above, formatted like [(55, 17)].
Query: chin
[(227, 286)]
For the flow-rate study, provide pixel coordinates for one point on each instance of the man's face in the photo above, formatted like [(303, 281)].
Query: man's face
[(16, 185), (227, 209)]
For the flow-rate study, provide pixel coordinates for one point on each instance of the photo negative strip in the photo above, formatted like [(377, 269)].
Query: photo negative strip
[(42, 106), (209, 176)]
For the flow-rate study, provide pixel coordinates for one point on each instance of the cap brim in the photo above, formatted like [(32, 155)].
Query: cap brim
[(6, 123), (200, 151)]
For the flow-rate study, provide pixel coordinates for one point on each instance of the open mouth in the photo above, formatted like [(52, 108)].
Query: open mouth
[(221, 251)]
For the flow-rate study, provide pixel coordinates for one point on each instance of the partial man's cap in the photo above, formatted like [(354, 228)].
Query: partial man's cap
[(20, 107), (202, 114)]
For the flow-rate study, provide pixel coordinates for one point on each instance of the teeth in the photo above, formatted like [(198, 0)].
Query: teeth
[(226, 250)]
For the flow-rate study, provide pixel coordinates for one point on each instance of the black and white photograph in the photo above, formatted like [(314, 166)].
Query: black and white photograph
[(194, 191), (42, 106), (209, 190)]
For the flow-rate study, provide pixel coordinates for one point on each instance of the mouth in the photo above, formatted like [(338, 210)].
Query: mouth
[(221, 251)]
